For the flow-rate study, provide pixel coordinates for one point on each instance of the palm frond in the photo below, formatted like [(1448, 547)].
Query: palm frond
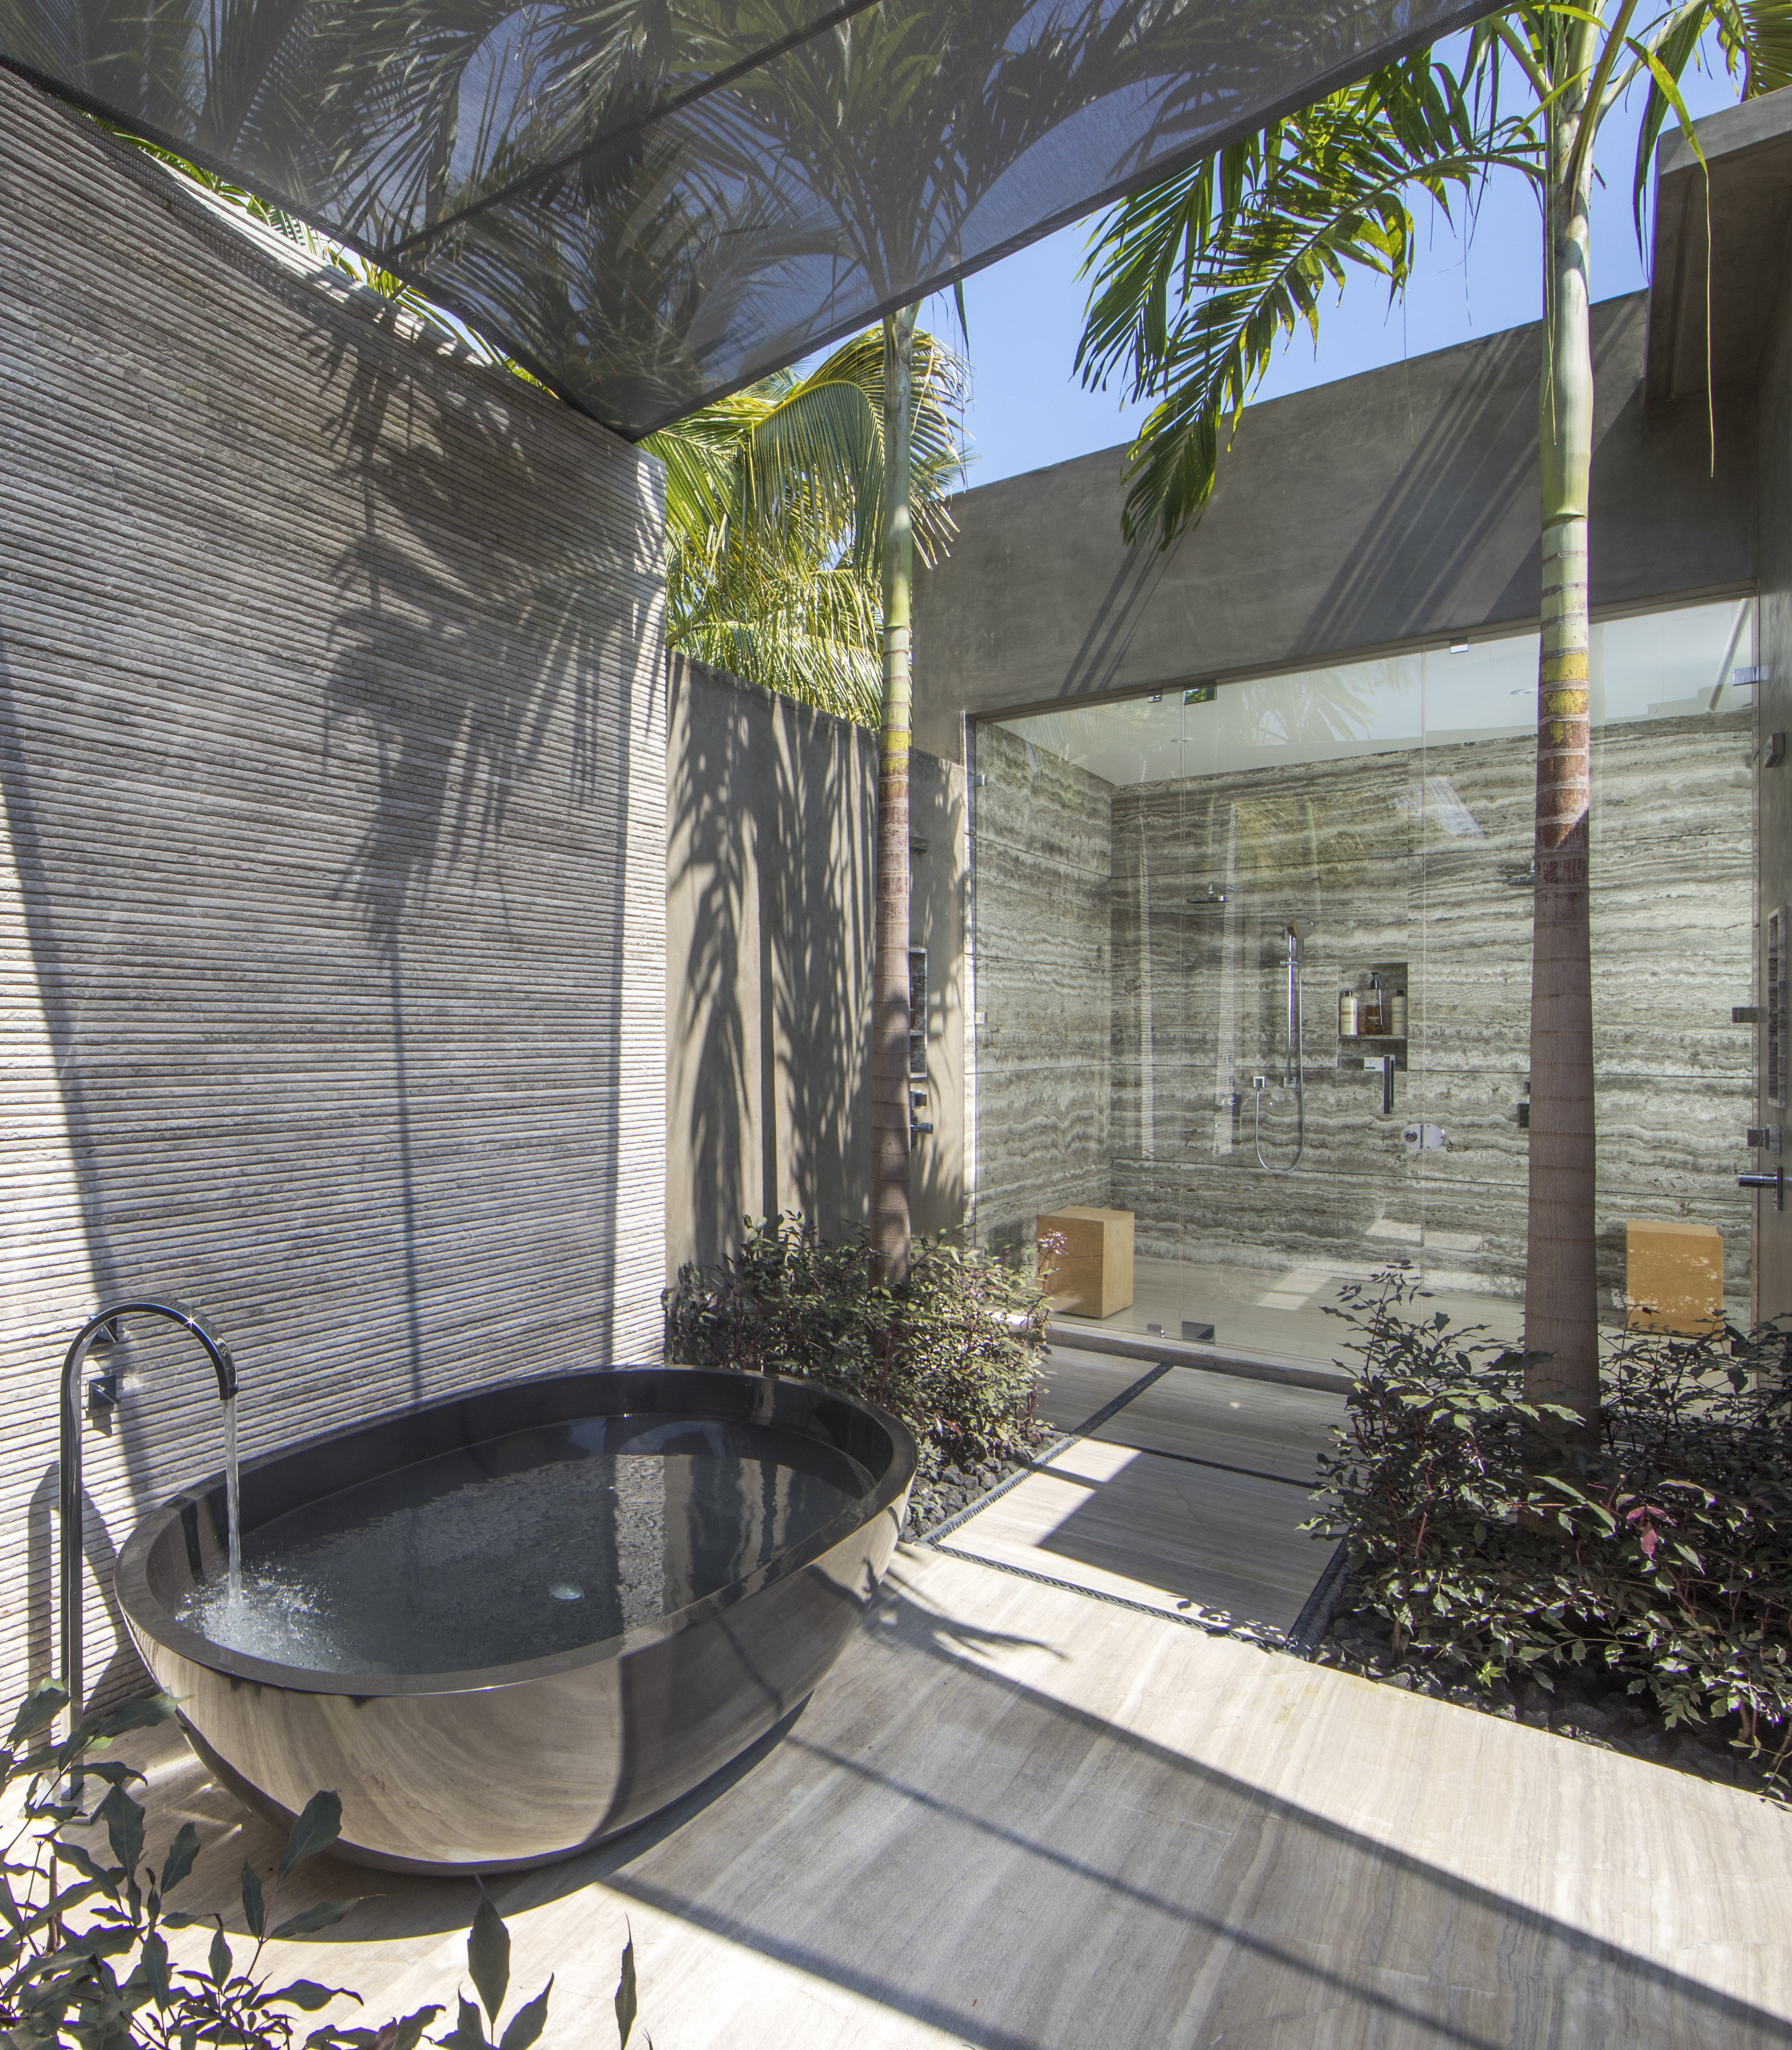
[(1199, 279), (774, 515)]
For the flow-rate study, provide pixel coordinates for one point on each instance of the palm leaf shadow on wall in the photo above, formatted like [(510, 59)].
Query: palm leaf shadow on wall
[(771, 820), (457, 647)]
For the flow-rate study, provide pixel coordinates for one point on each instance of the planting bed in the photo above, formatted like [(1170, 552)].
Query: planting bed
[(1584, 1702)]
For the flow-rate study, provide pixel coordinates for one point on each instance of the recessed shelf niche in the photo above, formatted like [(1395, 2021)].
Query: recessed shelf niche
[(1355, 1048)]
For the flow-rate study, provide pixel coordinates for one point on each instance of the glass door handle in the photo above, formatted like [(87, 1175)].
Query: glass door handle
[(1776, 1181)]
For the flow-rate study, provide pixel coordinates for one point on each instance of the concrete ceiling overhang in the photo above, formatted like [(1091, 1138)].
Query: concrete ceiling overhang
[(1748, 150)]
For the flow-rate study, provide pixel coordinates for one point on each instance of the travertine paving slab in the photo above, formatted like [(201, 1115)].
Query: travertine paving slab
[(1169, 1533), (1014, 1818)]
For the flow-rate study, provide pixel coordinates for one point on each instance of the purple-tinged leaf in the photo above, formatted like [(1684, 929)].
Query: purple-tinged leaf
[(528, 2021), (625, 2001), (316, 1830), (318, 1916), (307, 1994), (487, 1956), (182, 1853)]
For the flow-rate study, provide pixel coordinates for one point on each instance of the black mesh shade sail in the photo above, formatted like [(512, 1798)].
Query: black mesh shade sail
[(650, 202)]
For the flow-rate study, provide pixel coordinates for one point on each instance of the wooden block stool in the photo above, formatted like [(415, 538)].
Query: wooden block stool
[(1092, 1276), (1673, 1278)]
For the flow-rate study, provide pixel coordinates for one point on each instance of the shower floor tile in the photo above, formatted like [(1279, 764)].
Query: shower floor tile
[(1276, 1315)]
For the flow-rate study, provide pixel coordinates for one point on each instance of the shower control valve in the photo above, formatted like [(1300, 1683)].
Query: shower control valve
[(1764, 1138)]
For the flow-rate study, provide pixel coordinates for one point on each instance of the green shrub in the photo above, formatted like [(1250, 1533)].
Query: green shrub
[(1661, 1551), (954, 1350), (85, 1959)]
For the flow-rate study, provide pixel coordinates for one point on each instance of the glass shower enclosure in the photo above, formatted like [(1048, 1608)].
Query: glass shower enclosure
[(1251, 966)]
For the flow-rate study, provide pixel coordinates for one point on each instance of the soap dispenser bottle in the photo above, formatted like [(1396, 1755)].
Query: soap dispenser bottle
[(1369, 1015)]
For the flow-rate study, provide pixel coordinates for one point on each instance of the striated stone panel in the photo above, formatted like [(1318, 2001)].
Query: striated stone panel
[(1042, 869), (1417, 856)]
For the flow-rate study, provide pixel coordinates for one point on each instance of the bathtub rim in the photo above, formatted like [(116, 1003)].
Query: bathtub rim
[(145, 1614)]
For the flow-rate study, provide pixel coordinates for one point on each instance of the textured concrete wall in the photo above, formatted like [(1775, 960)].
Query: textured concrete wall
[(332, 905), (771, 867), (1394, 506)]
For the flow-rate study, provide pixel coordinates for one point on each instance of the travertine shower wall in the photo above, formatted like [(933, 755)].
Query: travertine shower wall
[(1198, 998), (1042, 863)]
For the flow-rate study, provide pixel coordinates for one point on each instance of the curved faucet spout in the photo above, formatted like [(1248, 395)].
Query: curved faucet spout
[(69, 1474)]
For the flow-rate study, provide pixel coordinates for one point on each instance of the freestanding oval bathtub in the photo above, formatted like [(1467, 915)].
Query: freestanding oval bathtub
[(636, 1573)]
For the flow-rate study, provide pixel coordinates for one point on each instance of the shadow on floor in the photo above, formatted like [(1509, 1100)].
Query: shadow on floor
[(943, 1836)]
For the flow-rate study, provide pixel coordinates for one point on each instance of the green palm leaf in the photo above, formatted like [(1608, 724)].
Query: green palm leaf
[(1199, 279), (774, 520)]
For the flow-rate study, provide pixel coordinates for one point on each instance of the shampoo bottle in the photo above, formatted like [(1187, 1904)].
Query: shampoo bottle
[(1347, 1014)]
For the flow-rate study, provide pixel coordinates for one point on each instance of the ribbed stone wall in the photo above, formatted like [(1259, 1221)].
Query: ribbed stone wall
[(1344, 844), (331, 883), (771, 859)]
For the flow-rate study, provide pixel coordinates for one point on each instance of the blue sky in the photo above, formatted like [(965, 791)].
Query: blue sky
[(1025, 313)]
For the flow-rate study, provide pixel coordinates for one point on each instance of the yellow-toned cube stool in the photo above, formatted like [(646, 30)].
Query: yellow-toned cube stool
[(1092, 1276), (1673, 1277)]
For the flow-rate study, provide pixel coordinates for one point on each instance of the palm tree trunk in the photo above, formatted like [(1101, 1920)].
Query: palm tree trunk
[(1560, 1287), (889, 1001)]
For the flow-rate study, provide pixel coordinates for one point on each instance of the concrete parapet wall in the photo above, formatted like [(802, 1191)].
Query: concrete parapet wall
[(1385, 508), (771, 860)]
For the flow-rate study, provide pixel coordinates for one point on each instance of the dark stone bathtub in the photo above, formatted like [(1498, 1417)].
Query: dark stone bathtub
[(514, 1764)]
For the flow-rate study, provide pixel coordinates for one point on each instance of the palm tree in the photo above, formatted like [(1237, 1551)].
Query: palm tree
[(793, 511), (1197, 279), (777, 511)]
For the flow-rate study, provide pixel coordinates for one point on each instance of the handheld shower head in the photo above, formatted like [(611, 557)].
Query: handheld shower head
[(1300, 929)]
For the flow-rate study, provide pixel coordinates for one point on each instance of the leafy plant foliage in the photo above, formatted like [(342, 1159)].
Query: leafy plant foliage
[(1197, 280), (954, 1350), (775, 514), (1660, 1549), (85, 1957)]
